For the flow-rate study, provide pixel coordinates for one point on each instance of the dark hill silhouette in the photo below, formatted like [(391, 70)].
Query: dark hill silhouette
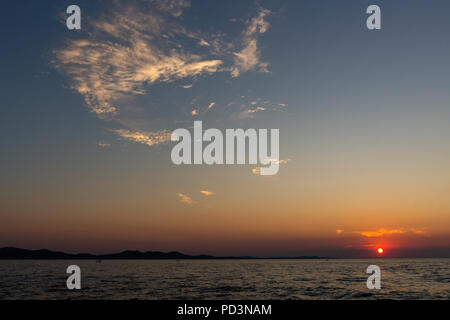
[(10, 253)]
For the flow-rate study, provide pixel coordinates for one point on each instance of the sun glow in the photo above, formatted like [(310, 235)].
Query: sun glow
[(380, 250)]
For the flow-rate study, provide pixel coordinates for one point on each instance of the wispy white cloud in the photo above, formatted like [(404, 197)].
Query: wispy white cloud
[(206, 192), (248, 58), (211, 105)]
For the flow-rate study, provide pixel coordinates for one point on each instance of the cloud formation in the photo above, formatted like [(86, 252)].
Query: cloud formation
[(132, 48), (147, 138), (246, 113), (185, 198), (137, 44), (248, 58), (106, 72), (256, 109), (206, 193), (383, 232), (252, 107), (174, 7), (103, 144)]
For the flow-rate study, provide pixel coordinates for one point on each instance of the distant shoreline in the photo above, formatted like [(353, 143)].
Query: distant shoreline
[(11, 253)]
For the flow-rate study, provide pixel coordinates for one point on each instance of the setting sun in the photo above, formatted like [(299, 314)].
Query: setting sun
[(380, 250)]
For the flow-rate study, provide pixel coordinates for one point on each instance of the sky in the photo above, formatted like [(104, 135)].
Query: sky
[(86, 117)]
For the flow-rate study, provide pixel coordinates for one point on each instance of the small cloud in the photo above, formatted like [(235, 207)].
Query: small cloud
[(339, 231), (188, 86), (212, 104), (284, 161), (247, 113), (257, 170), (103, 145), (206, 193), (147, 138), (194, 112), (256, 110), (204, 43), (282, 105), (251, 107), (278, 161), (185, 198)]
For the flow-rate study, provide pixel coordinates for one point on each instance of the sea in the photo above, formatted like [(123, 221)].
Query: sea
[(225, 279)]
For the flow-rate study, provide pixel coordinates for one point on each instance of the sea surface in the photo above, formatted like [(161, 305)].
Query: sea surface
[(226, 279)]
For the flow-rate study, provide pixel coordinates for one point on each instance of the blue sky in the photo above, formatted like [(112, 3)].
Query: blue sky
[(363, 118)]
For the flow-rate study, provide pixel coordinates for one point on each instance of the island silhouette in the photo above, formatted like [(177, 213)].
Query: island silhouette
[(11, 253)]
